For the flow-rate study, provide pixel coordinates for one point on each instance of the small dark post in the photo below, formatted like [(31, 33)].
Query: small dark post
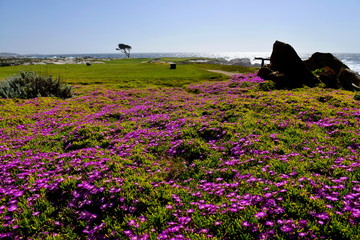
[(172, 65), (262, 60)]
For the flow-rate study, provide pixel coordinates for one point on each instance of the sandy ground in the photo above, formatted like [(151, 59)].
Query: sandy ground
[(224, 72)]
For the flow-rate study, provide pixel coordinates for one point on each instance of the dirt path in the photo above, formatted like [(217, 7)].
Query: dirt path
[(223, 72)]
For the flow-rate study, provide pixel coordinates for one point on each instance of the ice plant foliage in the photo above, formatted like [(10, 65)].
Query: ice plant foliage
[(212, 161)]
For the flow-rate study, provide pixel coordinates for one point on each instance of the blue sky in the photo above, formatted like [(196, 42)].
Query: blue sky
[(97, 26)]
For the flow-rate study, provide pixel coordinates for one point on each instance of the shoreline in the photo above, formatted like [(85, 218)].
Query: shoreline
[(16, 61), (352, 60)]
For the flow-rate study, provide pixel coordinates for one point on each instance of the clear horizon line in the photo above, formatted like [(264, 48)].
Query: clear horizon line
[(135, 52), (200, 52)]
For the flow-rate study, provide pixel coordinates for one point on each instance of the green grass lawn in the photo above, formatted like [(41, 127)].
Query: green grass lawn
[(129, 73)]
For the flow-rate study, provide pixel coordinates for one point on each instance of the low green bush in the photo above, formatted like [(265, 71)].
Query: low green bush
[(31, 85), (357, 96), (318, 71), (267, 86)]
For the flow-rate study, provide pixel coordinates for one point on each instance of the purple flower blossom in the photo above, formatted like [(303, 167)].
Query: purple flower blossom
[(184, 220), (217, 223), (270, 223), (286, 228), (356, 213), (133, 223), (331, 198), (303, 223), (190, 210), (12, 208), (322, 216), (260, 215), (142, 218), (245, 224)]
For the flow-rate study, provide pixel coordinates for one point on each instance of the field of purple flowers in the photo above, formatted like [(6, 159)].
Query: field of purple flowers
[(217, 160)]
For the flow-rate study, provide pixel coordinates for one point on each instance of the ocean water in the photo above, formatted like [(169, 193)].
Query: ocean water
[(352, 60)]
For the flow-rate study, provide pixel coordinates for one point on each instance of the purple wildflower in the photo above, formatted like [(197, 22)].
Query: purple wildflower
[(286, 228), (217, 223), (322, 216), (259, 215), (12, 208), (245, 224)]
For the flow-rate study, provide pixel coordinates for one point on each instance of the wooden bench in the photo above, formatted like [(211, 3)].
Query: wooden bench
[(262, 60)]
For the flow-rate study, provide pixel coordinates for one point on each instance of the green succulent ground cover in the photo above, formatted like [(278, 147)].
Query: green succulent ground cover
[(208, 160)]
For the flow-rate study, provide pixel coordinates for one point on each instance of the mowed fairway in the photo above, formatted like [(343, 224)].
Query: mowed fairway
[(126, 73)]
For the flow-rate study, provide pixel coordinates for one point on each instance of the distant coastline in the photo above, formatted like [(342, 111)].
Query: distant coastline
[(352, 60)]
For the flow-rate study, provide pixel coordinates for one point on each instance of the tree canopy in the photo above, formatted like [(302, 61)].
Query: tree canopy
[(124, 48)]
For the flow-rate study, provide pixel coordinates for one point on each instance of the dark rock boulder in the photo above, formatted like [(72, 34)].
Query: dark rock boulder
[(329, 77), (333, 72), (280, 79), (265, 72), (287, 69), (349, 80), (319, 60)]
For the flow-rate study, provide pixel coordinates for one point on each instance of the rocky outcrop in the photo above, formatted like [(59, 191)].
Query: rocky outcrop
[(332, 72), (319, 60), (349, 80), (287, 69), (329, 77)]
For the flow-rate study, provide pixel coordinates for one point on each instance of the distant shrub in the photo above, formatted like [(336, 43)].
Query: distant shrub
[(30, 85)]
